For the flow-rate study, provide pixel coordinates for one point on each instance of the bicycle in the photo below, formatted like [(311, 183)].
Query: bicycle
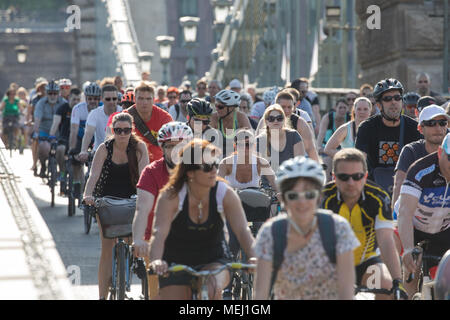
[(116, 220), (9, 131), (426, 283), (73, 190), (52, 173), (242, 282), (203, 276), (88, 211)]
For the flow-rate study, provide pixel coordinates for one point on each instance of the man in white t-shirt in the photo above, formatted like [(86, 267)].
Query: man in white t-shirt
[(178, 111), (98, 119)]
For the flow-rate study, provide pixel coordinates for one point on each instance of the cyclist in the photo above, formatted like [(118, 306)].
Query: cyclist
[(410, 104), (128, 99), (303, 104), (116, 168), (24, 121), (246, 106), (161, 94), (38, 94), (227, 120), (278, 142), (43, 119), (11, 108), (199, 117), (433, 124), (61, 128), (97, 120), (172, 98), (383, 136), (190, 216), (148, 119), (424, 102), (260, 107), (178, 111), (65, 86), (366, 206), (331, 122), (306, 272), (345, 135), (424, 208), (153, 178)]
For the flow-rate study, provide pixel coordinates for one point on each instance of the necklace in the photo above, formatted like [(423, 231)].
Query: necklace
[(199, 206), (299, 230)]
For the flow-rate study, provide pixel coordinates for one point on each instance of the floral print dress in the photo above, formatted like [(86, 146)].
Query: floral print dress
[(307, 273)]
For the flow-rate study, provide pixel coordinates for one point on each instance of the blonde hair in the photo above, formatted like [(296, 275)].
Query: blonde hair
[(356, 104)]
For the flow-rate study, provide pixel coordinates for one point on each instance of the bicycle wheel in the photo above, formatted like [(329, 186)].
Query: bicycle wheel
[(247, 287), (52, 179), (70, 195), (121, 270), (87, 212)]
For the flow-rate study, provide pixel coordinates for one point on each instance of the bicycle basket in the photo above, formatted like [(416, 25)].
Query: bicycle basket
[(116, 216), (256, 204)]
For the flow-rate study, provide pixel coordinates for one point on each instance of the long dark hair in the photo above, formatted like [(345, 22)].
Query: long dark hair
[(132, 147), (190, 159)]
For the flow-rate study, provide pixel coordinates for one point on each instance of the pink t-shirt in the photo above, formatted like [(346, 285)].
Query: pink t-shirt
[(153, 178)]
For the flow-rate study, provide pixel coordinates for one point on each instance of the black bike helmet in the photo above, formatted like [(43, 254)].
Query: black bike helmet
[(199, 107), (52, 86), (385, 86), (411, 98)]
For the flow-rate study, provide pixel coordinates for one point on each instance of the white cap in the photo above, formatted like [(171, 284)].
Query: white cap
[(432, 112), (235, 84), (65, 82)]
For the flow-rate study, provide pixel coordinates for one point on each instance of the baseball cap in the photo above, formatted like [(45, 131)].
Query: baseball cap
[(425, 102), (432, 112), (65, 82), (235, 84), (446, 144)]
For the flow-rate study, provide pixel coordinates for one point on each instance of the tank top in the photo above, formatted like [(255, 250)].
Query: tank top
[(115, 179), (349, 141), (254, 183), (228, 139), (332, 125), (198, 244), (11, 109)]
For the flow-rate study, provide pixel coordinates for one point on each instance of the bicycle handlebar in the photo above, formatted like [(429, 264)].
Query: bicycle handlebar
[(203, 273)]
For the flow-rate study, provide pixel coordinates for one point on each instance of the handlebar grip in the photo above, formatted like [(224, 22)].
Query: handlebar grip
[(410, 278)]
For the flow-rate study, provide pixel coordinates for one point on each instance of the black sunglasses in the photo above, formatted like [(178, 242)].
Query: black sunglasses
[(185, 101), (346, 177), (109, 99), (433, 123), (208, 167), (277, 118), (308, 195), (397, 97), (220, 106), (119, 131)]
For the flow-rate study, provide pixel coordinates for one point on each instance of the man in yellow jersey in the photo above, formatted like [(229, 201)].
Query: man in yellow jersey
[(367, 207)]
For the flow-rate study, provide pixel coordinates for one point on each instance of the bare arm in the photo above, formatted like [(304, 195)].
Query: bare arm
[(346, 275), (214, 120), (389, 254), (55, 124), (336, 139), (143, 154), (299, 149), (308, 138), (96, 169), (88, 134), (223, 168), (316, 111), (323, 128), (2, 105), (236, 217), (243, 121), (399, 178), (408, 205), (262, 279), (144, 204), (73, 135)]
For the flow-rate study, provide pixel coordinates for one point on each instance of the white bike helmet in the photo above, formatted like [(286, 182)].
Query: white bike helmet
[(228, 98), (64, 82), (174, 131), (300, 167)]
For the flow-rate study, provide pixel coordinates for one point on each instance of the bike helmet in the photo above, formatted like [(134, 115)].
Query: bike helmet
[(270, 95), (300, 167), (442, 287), (64, 82), (174, 131), (128, 97), (52, 86), (199, 107), (411, 98), (385, 86), (228, 98), (92, 89)]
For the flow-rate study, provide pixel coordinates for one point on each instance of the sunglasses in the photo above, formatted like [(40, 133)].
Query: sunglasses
[(220, 106), (185, 101), (307, 195), (93, 98), (397, 97), (52, 93), (346, 177), (433, 123), (109, 99), (277, 118), (208, 167), (119, 131)]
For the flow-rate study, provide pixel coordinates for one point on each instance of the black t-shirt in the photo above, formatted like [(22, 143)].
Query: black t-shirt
[(381, 143), (65, 111), (410, 153)]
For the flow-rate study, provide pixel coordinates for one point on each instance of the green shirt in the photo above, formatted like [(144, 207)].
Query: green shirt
[(11, 109)]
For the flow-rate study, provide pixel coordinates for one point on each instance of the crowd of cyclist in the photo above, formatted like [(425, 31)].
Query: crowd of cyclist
[(187, 155)]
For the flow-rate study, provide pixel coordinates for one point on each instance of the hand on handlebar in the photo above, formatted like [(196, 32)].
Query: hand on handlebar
[(159, 267), (409, 262), (89, 200), (83, 156)]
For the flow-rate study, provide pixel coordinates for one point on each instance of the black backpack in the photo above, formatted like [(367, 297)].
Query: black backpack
[(279, 234)]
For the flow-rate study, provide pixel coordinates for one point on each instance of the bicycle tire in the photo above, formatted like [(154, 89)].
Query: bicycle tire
[(52, 181), (70, 195), (87, 218), (417, 296), (121, 271)]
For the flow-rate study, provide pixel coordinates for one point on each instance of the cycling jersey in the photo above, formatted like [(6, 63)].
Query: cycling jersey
[(425, 182), (372, 212)]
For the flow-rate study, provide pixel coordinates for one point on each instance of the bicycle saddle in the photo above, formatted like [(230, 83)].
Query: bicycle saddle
[(253, 197)]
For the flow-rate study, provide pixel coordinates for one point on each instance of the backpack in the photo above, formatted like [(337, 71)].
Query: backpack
[(279, 234)]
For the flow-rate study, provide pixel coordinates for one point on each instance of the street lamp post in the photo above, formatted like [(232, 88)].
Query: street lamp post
[(190, 25), (165, 48), (221, 12), (21, 51), (145, 59)]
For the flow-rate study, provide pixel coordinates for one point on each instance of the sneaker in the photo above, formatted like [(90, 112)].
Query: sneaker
[(43, 172)]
